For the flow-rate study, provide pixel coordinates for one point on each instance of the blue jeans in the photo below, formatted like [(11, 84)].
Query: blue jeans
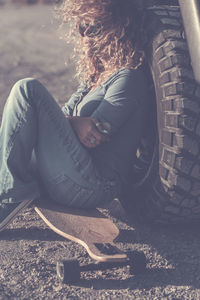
[(41, 155)]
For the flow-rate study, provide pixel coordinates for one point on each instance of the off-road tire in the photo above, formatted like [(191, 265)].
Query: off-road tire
[(169, 189)]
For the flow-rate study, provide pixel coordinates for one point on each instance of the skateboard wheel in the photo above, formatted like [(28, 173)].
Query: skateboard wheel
[(137, 262), (68, 271)]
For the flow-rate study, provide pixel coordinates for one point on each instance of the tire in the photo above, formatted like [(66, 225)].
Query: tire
[(165, 184)]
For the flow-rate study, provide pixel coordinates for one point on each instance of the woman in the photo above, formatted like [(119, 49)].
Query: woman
[(81, 153)]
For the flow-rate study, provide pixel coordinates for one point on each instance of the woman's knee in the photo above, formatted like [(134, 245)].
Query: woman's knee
[(21, 95), (25, 85), (24, 91)]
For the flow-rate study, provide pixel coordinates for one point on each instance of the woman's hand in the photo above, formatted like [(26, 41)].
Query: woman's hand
[(88, 131)]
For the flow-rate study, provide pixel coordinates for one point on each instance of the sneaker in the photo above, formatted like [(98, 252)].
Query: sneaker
[(8, 211)]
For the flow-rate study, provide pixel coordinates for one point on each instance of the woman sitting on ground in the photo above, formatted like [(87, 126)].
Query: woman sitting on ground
[(79, 155)]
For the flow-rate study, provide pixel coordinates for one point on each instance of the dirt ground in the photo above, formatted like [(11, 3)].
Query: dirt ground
[(30, 47)]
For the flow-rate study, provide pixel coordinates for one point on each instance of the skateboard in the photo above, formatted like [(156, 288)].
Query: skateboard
[(95, 232)]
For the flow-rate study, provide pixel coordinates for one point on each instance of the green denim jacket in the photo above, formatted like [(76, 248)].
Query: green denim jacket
[(121, 101)]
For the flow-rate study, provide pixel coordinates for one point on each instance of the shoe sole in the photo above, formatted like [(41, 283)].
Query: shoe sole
[(14, 213)]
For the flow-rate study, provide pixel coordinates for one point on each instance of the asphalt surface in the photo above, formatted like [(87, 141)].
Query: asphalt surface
[(29, 250)]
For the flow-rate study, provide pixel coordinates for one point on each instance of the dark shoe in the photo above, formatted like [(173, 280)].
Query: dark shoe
[(8, 211)]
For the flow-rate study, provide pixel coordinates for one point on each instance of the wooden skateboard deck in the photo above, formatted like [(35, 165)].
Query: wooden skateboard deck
[(89, 228)]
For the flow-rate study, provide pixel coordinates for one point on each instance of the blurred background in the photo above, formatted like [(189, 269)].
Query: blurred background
[(32, 45)]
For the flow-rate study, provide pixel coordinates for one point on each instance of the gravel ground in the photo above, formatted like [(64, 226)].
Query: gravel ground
[(30, 47)]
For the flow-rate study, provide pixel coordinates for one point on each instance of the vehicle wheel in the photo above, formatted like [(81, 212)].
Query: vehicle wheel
[(166, 176), (137, 262), (68, 271)]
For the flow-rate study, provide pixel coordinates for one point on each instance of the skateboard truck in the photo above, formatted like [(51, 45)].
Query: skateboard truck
[(69, 271)]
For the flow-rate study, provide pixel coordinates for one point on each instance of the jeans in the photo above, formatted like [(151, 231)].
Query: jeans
[(40, 153)]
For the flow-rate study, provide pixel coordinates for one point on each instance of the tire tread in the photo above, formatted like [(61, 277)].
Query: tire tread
[(174, 193)]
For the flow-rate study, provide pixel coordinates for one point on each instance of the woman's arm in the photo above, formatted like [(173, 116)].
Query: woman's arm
[(87, 131), (124, 95)]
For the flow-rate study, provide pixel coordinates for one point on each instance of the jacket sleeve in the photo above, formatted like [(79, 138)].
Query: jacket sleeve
[(123, 97), (69, 106)]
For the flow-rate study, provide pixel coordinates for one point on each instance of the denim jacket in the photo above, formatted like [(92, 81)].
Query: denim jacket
[(121, 101)]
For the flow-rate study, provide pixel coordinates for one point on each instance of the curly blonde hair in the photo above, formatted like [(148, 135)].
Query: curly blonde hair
[(106, 34)]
